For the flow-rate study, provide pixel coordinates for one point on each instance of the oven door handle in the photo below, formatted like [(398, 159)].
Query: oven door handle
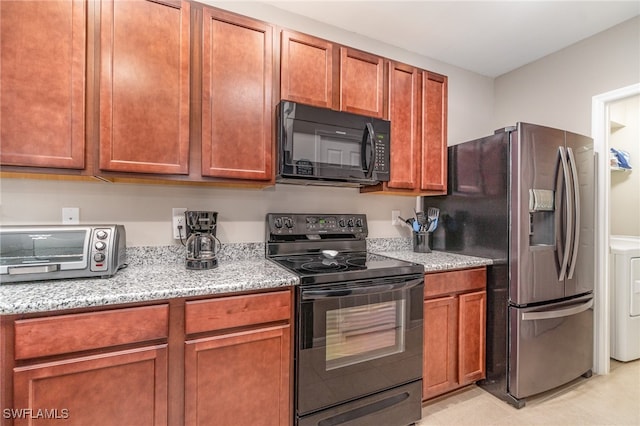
[(355, 291)]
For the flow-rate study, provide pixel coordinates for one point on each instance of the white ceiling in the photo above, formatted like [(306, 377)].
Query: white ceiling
[(488, 37)]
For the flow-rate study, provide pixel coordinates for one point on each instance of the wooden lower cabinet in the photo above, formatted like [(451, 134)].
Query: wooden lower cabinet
[(241, 374), (241, 378), (454, 330), (214, 361), (118, 388)]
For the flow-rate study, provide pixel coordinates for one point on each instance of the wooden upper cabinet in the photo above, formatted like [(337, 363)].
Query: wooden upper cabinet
[(324, 74), (237, 83), (418, 114), (306, 74), (404, 91), (144, 86), (42, 83), (361, 83), (434, 132)]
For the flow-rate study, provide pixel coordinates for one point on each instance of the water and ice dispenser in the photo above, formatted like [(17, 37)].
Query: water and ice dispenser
[(541, 217)]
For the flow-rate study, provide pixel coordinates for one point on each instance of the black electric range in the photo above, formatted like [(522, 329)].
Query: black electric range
[(358, 322)]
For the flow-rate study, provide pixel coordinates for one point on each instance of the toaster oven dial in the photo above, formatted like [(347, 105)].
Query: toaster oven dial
[(99, 257), (101, 235), (100, 245)]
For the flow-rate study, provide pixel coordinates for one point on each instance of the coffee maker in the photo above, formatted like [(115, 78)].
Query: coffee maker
[(201, 239)]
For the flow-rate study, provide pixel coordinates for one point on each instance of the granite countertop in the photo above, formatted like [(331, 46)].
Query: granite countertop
[(158, 273), (438, 260)]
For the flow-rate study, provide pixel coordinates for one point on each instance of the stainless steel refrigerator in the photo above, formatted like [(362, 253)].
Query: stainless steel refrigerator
[(525, 197)]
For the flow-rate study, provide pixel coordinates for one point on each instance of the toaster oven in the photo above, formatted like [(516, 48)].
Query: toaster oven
[(33, 253)]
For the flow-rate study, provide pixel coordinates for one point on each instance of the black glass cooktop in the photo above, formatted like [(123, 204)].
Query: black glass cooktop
[(321, 268)]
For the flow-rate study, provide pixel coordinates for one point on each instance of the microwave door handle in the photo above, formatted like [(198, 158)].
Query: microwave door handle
[(342, 292), (370, 137)]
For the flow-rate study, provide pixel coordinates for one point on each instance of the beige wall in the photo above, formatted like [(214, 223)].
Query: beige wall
[(625, 186), (557, 90), (552, 91)]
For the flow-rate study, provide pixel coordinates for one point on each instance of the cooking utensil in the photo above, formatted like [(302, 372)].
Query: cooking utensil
[(433, 225), (432, 214)]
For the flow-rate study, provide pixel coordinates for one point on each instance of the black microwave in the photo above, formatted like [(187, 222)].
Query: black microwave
[(319, 146)]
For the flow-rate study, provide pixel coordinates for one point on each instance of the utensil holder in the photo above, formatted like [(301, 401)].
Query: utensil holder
[(422, 242)]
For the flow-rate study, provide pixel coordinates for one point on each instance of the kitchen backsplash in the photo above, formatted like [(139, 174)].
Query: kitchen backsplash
[(151, 255)]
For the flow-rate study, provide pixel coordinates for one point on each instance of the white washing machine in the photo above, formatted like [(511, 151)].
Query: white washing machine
[(625, 297)]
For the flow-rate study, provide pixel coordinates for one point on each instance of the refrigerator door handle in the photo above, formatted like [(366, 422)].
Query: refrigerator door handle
[(569, 215), (576, 205), (559, 313)]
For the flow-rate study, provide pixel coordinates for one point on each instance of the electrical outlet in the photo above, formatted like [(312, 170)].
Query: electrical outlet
[(177, 223), (394, 217), (70, 215)]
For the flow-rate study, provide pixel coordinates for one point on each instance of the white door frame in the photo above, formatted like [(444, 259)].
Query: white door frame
[(600, 134)]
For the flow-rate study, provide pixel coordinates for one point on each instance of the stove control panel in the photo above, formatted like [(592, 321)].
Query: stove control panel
[(316, 224)]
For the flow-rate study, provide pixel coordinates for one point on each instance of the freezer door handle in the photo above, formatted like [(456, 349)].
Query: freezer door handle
[(569, 213), (576, 209), (558, 313)]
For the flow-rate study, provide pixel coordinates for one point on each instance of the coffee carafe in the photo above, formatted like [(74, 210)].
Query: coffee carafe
[(202, 243)]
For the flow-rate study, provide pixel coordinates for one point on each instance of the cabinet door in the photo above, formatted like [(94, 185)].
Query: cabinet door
[(404, 106), (440, 346), (237, 81), (434, 132), (306, 73), (471, 337), (42, 83), (144, 86), (239, 379), (361, 83), (119, 388)]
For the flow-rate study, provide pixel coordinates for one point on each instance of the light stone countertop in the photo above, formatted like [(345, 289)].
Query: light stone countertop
[(158, 273), (142, 283), (437, 260)]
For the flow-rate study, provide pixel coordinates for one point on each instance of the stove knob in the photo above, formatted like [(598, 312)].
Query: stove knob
[(101, 235), (99, 257), (342, 223), (100, 245), (350, 223), (359, 223), (288, 222), (277, 222)]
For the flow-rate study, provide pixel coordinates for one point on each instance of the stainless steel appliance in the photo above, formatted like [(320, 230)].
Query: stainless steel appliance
[(525, 197), (202, 243), (32, 253), (318, 146), (358, 327)]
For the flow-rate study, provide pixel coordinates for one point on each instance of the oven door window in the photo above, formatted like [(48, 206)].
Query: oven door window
[(357, 334)]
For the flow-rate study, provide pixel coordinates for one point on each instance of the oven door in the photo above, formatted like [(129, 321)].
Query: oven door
[(357, 338)]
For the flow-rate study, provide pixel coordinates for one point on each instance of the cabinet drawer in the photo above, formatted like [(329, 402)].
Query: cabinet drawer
[(40, 337), (236, 311), (442, 283)]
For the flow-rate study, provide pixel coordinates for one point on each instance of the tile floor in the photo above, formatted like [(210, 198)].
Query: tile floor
[(612, 400)]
